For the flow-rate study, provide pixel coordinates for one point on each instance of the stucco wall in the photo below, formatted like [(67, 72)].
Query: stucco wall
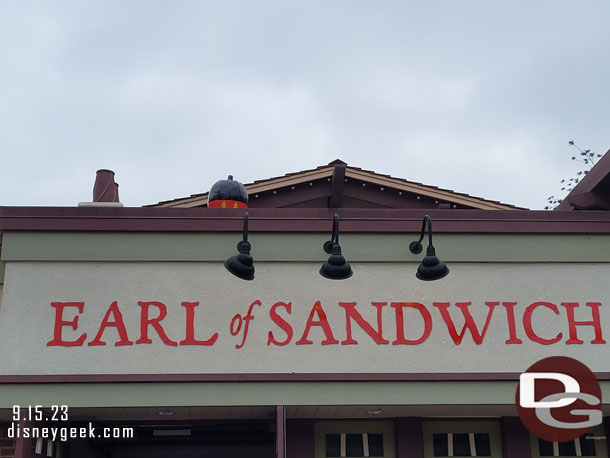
[(28, 320)]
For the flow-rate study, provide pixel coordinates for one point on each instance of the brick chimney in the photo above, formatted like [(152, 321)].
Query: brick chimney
[(105, 191)]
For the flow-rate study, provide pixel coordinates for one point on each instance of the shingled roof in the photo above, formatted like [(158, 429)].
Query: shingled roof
[(338, 185)]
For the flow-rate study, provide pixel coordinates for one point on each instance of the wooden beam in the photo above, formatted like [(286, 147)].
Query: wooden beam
[(337, 182), (589, 201), (23, 446), (409, 437), (515, 438), (428, 191), (300, 438), (254, 188), (280, 436)]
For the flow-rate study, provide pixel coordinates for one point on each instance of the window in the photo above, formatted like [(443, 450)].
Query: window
[(348, 445), (461, 444), (583, 446), (586, 445), (462, 438), (354, 439)]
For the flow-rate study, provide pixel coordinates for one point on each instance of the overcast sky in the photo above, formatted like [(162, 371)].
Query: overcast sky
[(480, 97)]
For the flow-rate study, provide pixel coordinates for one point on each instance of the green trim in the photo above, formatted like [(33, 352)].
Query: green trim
[(2, 270), (264, 393), (321, 428), (376, 247), (259, 393), (600, 445), (456, 427)]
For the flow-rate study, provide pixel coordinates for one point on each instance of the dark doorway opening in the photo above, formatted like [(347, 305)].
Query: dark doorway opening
[(214, 439)]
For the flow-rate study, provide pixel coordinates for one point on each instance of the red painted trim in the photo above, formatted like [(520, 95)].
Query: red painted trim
[(136, 378), (298, 220)]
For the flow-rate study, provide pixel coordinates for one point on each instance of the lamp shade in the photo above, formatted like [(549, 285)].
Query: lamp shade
[(242, 265), (431, 267), (336, 268)]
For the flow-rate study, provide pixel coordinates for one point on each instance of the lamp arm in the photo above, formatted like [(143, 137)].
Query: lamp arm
[(335, 237), (427, 218), (245, 231), (416, 247)]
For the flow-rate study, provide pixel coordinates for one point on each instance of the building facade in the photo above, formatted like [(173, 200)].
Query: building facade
[(126, 318)]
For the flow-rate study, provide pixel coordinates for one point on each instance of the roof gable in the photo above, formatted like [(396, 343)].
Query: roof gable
[(593, 191), (338, 185)]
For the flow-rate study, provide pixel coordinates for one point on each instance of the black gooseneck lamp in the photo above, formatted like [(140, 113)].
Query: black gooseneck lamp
[(431, 268), (336, 268), (242, 265)]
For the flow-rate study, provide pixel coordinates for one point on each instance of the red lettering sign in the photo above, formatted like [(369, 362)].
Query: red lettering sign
[(145, 321), (117, 323), (190, 327), (281, 322), (352, 314), (60, 323), (527, 323), (352, 321), (469, 323), (400, 326), (322, 321)]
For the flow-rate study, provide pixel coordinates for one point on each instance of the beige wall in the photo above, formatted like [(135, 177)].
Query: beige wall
[(27, 318)]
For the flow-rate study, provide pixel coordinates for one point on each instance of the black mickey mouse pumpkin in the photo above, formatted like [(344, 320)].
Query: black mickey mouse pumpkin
[(228, 193)]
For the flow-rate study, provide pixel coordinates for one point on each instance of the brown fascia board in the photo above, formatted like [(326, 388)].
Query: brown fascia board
[(427, 191), (259, 186), (299, 220), (368, 176), (586, 189)]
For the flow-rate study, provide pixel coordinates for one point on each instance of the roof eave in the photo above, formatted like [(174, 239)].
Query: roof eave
[(298, 220)]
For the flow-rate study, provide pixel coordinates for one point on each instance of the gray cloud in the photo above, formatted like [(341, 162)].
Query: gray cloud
[(481, 97)]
